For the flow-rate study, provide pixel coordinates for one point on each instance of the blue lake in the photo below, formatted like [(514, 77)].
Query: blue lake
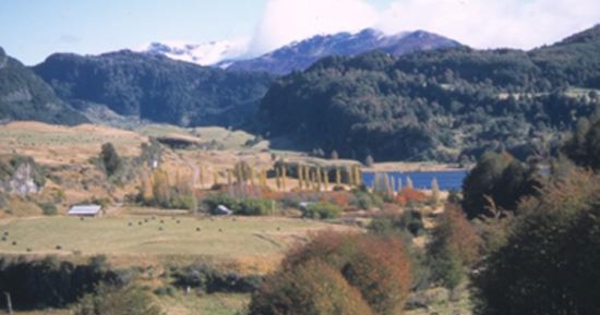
[(447, 180)]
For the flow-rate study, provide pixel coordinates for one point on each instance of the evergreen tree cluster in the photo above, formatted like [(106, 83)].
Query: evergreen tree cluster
[(439, 105)]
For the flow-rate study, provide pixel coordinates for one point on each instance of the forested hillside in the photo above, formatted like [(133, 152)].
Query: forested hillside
[(24, 96), (439, 104), (156, 88)]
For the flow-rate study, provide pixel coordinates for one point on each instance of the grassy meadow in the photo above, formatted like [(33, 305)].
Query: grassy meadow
[(229, 238)]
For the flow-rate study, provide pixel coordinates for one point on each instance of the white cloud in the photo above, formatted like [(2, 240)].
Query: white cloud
[(477, 23), (493, 23), (285, 21)]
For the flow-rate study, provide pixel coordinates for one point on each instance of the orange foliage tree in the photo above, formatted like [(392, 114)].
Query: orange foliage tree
[(376, 270), (312, 288)]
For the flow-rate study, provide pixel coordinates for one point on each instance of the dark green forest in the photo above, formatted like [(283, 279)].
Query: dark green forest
[(156, 88), (24, 96), (440, 105)]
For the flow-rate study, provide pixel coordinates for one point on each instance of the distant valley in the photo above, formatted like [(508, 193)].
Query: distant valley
[(414, 96)]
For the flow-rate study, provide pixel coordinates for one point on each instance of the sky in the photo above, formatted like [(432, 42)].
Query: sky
[(30, 30)]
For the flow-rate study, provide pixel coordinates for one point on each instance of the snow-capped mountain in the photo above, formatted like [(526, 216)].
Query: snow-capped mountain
[(203, 54), (302, 54), (232, 55)]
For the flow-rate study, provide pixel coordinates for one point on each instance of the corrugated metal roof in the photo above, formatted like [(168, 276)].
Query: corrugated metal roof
[(85, 209)]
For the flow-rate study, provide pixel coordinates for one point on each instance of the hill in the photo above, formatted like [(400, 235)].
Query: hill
[(24, 96), (301, 55), (156, 88), (439, 105)]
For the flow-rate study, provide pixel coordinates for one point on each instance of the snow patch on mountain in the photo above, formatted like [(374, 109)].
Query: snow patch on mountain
[(204, 54)]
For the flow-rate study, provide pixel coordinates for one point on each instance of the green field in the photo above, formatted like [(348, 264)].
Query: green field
[(223, 237)]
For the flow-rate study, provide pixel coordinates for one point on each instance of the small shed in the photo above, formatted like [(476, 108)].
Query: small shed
[(86, 210)]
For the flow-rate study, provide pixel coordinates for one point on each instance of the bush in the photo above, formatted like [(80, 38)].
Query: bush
[(48, 208), (366, 201), (322, 210), (398, 224), (187, 202), (454, 247), (549, 264), (255, 207), (410, 196), (115, 300), (499, 179), (209, 279), (248, 207)]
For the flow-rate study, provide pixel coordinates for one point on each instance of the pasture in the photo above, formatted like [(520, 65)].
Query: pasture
[(143, 239)]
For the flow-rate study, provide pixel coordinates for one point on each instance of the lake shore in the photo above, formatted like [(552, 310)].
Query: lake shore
[(412, 167)]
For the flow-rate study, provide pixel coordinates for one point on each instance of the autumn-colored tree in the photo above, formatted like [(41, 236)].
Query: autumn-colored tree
[(229, 177), (377, 267), (382, 185), (242, 171), (312, 288), (278, 178), (283, 176), (350, 176), (409, 195), (380, 270), (409, 183), (357, 176), (161, 188), (215, 178), (146, 187)]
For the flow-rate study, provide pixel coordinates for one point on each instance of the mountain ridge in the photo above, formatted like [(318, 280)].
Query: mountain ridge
[(300, 55)]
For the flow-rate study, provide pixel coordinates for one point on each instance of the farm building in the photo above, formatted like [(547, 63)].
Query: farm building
[(86, 210)]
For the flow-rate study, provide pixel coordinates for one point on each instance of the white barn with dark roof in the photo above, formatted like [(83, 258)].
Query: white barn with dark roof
[(86, 210)]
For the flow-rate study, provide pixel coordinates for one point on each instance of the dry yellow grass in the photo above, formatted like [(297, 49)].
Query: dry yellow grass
[(55, 145)]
